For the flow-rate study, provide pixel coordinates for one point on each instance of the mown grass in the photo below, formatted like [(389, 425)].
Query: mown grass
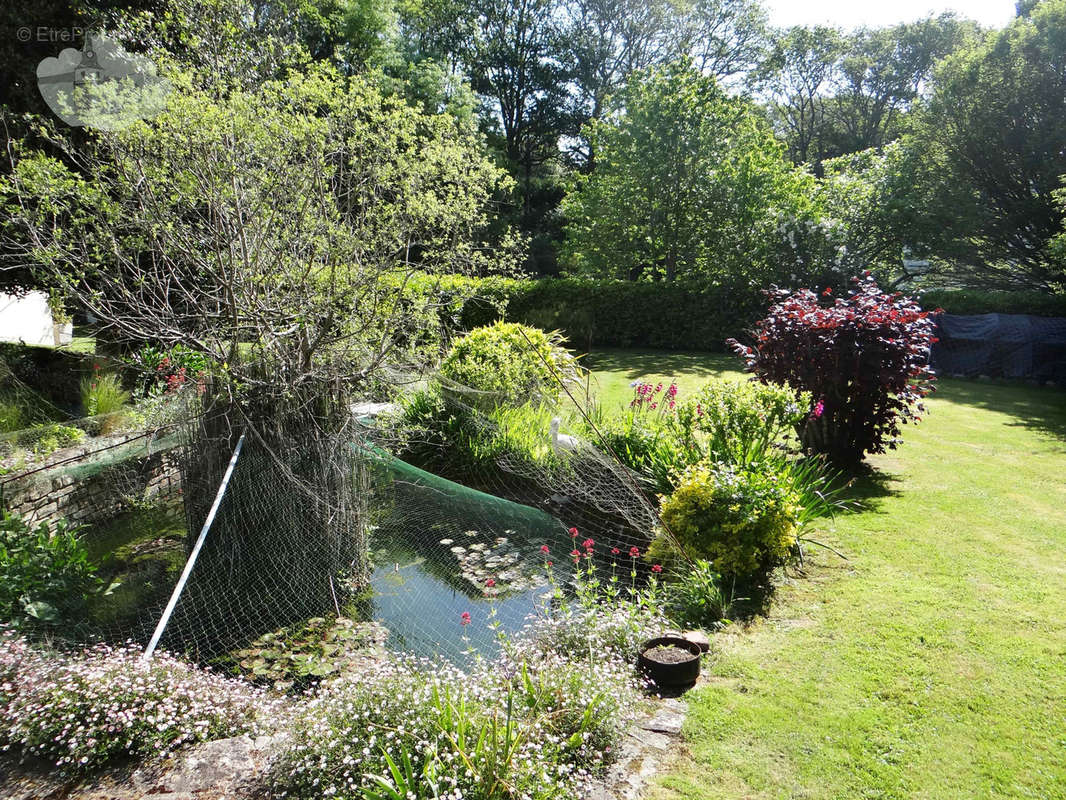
[(931, 663)]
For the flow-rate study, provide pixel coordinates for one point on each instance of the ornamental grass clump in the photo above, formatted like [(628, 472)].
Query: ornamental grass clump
[(864, 359), (79, 711)]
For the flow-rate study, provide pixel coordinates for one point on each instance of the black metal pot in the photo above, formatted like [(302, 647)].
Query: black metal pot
[(682, 673)]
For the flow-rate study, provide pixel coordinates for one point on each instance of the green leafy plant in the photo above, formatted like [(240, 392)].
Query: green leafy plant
[(694, 599), (742, 519), (740, 422), (46, 578), (48, 438), (103, 397), (297, 657), (508, 364)]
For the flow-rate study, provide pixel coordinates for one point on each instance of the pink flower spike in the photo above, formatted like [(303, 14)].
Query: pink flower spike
[(573, 533), (588, 544), (464, 618), (634, 552), (656, 568)]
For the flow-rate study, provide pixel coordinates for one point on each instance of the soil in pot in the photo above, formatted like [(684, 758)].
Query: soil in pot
[(668, 654)]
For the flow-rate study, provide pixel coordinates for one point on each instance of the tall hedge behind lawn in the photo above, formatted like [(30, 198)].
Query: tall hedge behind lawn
[(596, 313), (670, 316), (965, 302)]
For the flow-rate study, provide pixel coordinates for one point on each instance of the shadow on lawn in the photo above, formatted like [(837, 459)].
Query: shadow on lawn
[(638, 363), (1039, 408)]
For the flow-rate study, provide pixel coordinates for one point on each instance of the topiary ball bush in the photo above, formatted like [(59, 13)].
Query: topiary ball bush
[(508, 364), (743, 520)]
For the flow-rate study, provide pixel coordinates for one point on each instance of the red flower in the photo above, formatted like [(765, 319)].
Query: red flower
[(490, 583), (548, 563), (634, 552), (828, 291), (588, 544), (575, 553), (573, 533), (615, 551), (544, 548), (656, 568), (464, 618)]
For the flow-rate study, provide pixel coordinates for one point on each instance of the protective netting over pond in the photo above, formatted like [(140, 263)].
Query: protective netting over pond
[(432, 547), (1001, 346)]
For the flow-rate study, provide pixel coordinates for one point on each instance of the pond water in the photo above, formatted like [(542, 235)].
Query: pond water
[(424, 613)]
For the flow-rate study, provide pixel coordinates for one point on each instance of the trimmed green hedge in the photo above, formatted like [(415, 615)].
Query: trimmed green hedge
[(609, 313), (971, 301)]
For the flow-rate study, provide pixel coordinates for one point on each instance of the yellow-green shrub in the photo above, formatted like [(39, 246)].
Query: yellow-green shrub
[(741, 519), (507, 363)]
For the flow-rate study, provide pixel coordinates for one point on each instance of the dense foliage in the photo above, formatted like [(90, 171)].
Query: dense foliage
[(743, 520), (862, 358), (507, 364), (46, 578), (689, 184)]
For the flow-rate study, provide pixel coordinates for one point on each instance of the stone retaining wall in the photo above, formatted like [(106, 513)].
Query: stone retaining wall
[(59, 492)]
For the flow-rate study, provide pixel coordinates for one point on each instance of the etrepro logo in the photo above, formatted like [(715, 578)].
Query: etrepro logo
[(101, 86)]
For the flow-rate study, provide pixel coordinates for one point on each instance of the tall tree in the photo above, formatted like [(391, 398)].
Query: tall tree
[(998, 111), (881, 74), (725, 39), (689, 184), (799, 74)]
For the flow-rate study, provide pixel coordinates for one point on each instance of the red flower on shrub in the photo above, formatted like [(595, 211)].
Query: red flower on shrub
[(865, 357)]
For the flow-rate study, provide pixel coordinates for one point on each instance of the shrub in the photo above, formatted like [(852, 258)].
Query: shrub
[(863, 359), (742, 519), (694, 598), (508, 364), (740, 422), (168, 370), (45, 575), (81, 711), (646, 437)]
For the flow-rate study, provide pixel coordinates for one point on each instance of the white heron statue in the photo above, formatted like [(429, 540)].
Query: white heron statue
[(562, 441)]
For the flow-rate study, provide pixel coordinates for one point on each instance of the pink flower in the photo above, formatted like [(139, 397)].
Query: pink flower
[(490, 583), (464, 618), (816, 412), (634, 552), (573, 533), (544, 548), (615, 551), (588, 544), (548, 563), (656, 568)]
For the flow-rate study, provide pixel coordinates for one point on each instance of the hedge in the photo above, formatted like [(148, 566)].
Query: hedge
[(608, 313), (969, 301)]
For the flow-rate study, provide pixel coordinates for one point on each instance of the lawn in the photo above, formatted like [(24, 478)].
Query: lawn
[(931, 663)]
